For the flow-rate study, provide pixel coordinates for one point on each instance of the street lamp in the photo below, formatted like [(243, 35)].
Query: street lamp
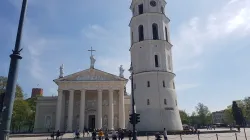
[(12, 79), (133, 102)]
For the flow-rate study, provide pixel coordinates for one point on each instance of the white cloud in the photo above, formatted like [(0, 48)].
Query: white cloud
[(194, 37)]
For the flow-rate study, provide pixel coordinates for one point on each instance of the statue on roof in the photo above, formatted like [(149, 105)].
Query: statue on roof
[(61, 71), (121, 71), (92, 59)]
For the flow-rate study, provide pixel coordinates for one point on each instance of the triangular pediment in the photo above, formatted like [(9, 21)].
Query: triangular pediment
[(91, 75)]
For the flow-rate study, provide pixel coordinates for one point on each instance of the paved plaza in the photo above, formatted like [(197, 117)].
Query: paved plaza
[(221, 136)]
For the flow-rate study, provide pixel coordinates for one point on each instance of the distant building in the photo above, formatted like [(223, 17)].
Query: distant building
[(218, 116), (36, 92)]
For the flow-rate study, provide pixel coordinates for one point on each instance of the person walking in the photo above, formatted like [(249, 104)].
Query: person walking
[(165, 134), (129, 134), (100, 134)]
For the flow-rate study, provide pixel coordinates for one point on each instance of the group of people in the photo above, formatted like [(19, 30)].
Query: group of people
[(105, 134)]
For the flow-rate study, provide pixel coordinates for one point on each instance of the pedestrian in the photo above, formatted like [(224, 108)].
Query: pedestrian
[(52, 135), (129, 134), (100, 134), (57, 135), (165, 134), (106, 134), (94, 135)]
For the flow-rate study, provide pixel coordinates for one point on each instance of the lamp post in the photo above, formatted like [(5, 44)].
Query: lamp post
[(12, 78), (133, 102)]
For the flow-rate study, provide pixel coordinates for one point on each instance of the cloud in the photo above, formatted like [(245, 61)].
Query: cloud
[(182, 87), (195, 36)]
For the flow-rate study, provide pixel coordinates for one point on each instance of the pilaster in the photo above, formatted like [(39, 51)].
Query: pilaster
[(111, 111)]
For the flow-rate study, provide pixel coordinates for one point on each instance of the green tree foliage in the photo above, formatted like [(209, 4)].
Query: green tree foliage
[(184, 117), (24, 111), (21, 111), (203, 114), (228, 115), (3, 84)]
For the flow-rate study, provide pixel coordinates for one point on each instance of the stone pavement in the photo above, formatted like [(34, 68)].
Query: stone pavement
[(221, 136)]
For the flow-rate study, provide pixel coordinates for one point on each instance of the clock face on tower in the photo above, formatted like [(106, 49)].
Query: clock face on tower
[(153, 3)]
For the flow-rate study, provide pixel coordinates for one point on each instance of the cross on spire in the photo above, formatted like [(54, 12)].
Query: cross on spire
[(91, 50)]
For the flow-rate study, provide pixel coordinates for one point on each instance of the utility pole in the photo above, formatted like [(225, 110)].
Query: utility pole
[(12, 79), (133, 103)]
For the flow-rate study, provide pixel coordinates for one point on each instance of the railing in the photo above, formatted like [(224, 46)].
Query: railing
[(221, 136)]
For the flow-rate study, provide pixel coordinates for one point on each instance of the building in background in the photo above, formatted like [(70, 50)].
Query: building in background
[(219, 117), (36, 92)]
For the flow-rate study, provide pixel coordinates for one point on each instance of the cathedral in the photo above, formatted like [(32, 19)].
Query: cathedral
[(93, 98)]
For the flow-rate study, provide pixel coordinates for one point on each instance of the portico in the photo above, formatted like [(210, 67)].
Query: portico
[(93, 101)]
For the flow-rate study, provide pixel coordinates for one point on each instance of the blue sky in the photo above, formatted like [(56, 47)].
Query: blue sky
[(210, 38)]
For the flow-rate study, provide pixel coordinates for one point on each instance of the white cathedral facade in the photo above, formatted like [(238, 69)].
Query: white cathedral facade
[(151, 57), (96, 99)]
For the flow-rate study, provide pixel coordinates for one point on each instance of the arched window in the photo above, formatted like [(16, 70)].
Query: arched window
[(169, 62), (163, 83), (148, 84), (176, 102), (141, 33), (148, 103), (140, 8), (156, 61), (166, 33), (155, 31), (165, 101)]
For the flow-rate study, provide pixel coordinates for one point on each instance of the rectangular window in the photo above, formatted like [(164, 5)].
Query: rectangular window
[(140, 7), (176, 102), (148, 103), (165, 101), (148, 84), (156, 61), (166, 33), (163, 83), (134, 86), (173, 85)]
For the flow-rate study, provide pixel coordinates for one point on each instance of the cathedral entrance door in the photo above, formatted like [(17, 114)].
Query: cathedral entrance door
[(91, 121)]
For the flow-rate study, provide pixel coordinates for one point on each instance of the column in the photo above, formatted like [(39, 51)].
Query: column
[(121, 109), (111, 111), (70, 110), (99, 110), (59, 109), (82, 110)]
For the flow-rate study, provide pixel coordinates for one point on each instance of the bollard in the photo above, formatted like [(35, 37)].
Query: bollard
[(198, 136), (217, 137), (180, 136), (236, 136), (147, 136)]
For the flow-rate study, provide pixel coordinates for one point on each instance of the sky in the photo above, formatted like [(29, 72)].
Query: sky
[(210, 44)]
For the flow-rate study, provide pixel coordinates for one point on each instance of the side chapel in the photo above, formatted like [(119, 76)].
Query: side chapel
[(87, 99)]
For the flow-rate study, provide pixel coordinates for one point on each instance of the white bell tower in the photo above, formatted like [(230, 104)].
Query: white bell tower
[(151, 57)]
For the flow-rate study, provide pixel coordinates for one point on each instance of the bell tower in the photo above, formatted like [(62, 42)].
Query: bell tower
[(151, 57)]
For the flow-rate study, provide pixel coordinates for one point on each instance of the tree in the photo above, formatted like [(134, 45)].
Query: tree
[(184, 117), (247, 108), (3, 84), (21, 111), (229, 119), (203, 114)]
